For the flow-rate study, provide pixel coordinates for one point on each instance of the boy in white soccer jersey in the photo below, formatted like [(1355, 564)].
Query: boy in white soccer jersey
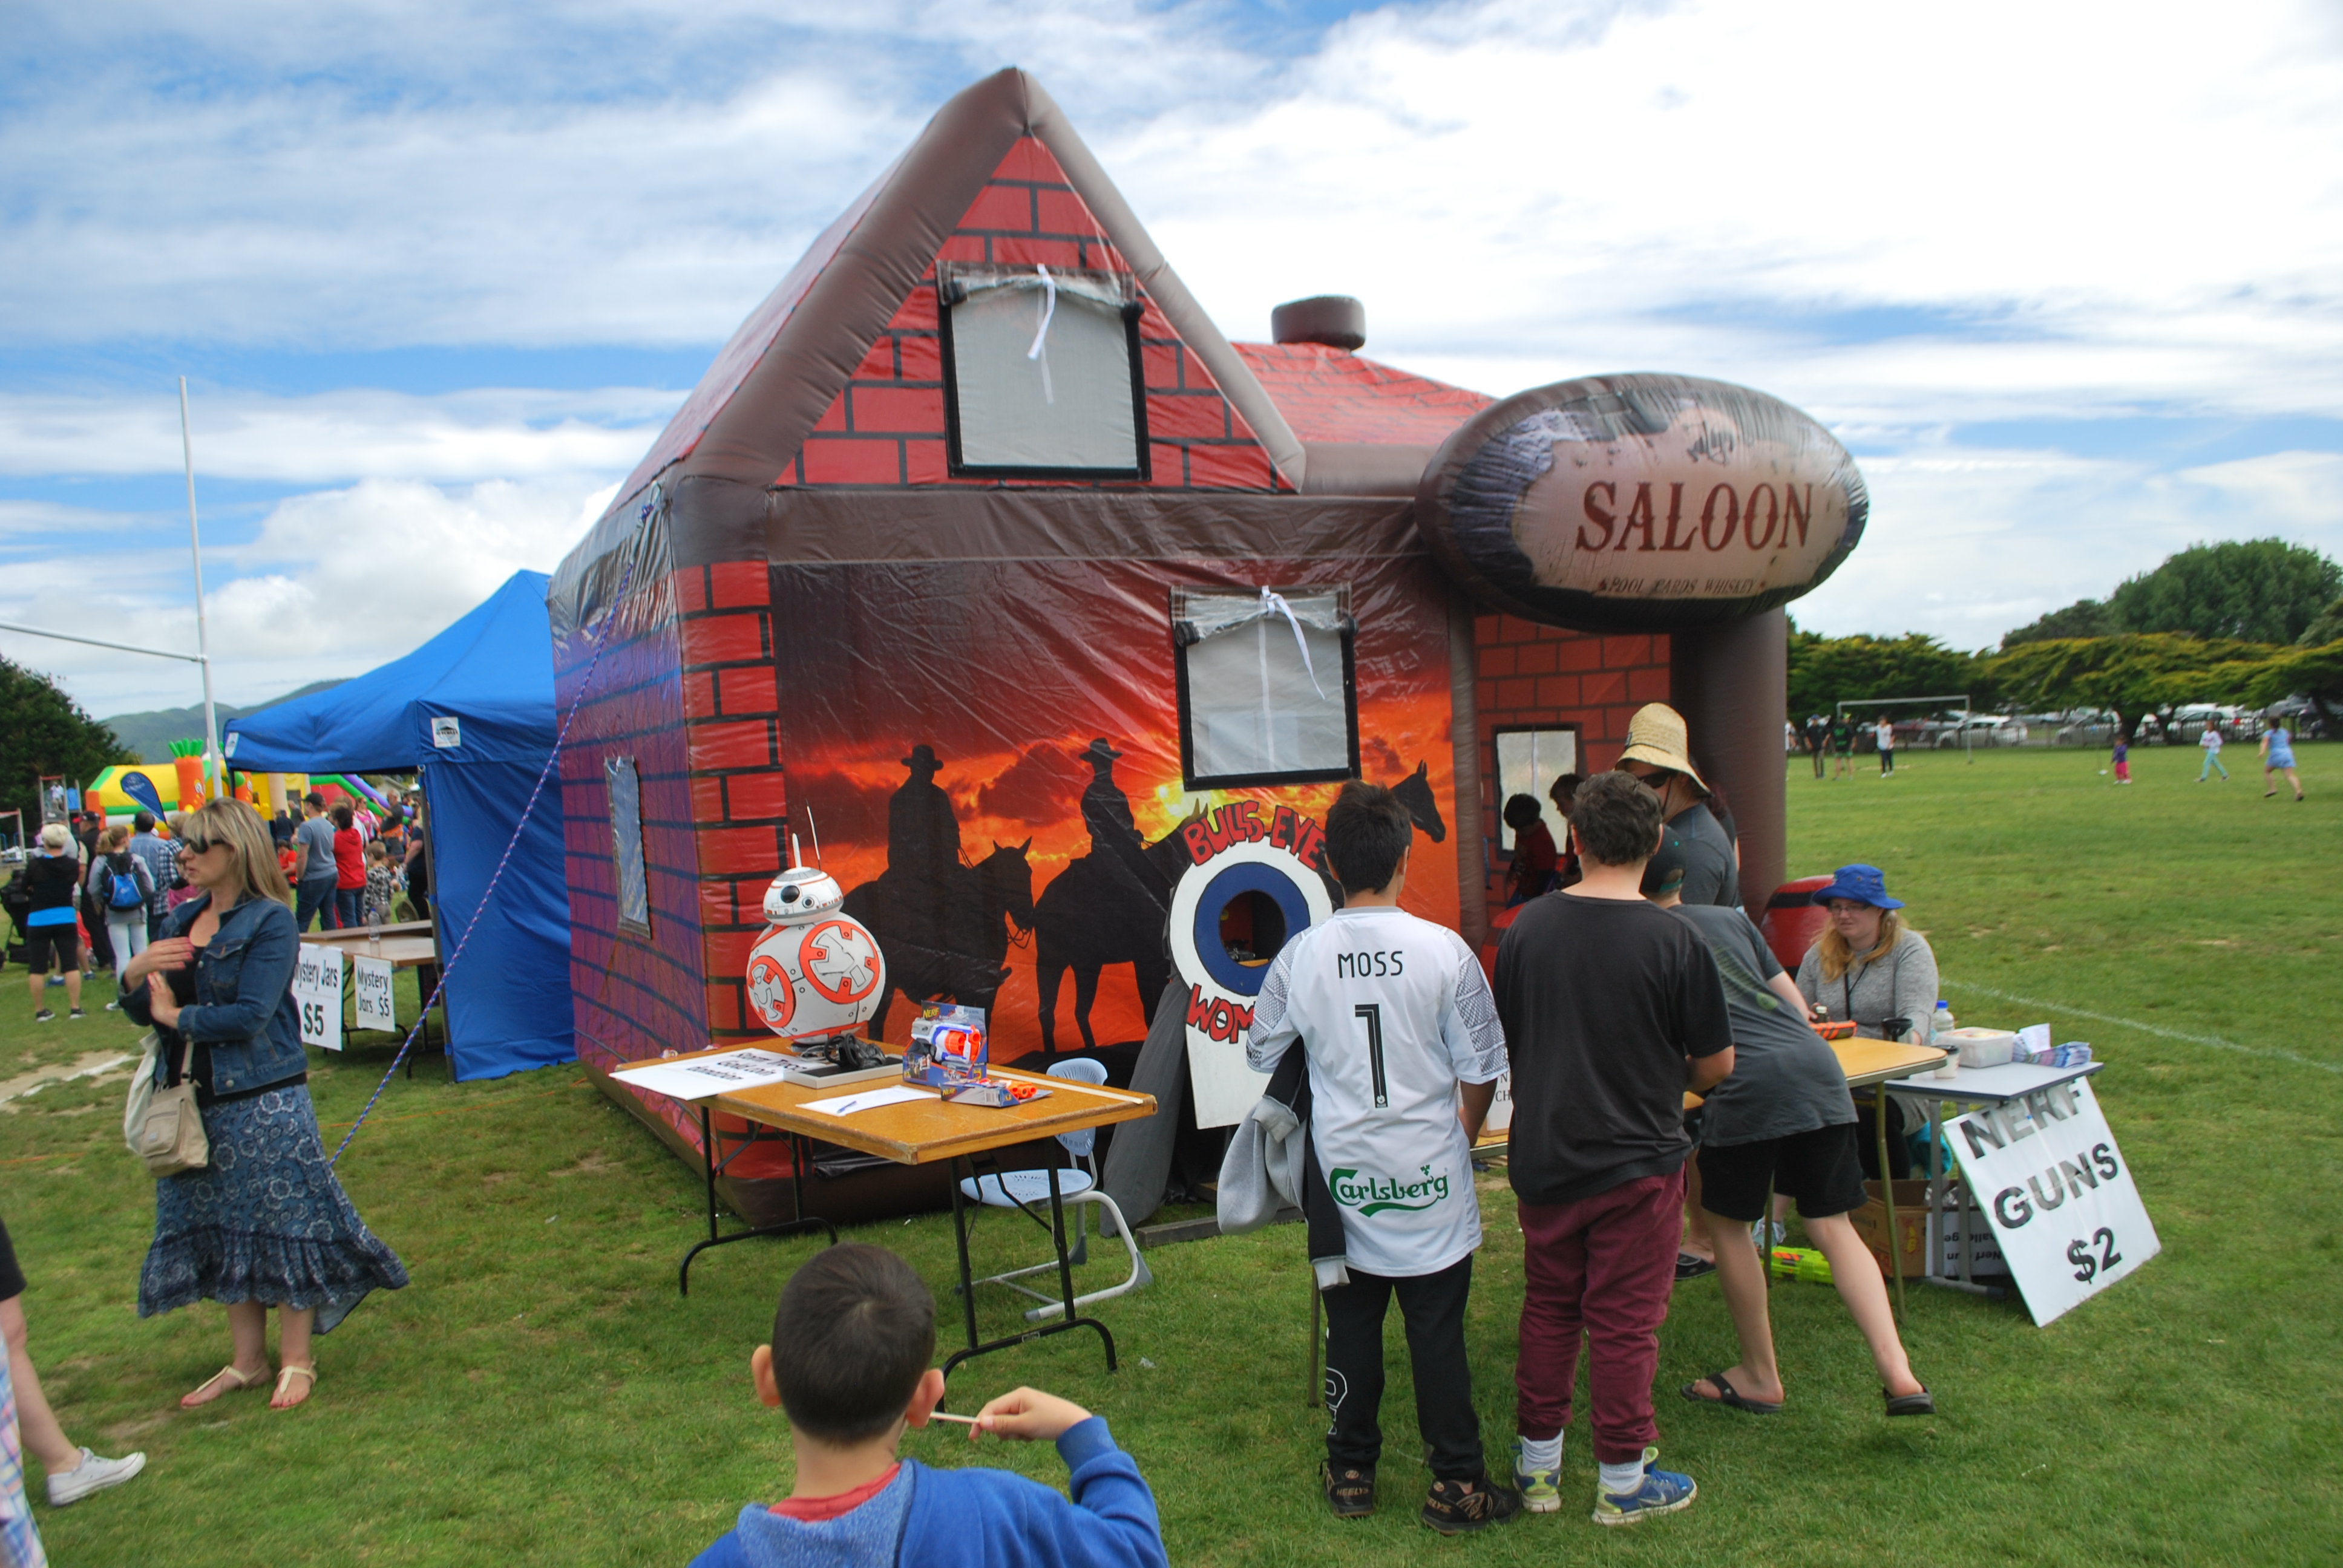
[(1404, 1052)]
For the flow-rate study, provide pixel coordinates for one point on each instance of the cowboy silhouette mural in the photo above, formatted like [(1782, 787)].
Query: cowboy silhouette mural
[(1106, 907), (939, 921), (1110, 906)]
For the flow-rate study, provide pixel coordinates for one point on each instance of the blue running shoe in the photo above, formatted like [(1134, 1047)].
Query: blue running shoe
[(1662, 1492)]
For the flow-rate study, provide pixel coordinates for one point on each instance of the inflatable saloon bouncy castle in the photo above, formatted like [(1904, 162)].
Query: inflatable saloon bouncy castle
[(983, 560)]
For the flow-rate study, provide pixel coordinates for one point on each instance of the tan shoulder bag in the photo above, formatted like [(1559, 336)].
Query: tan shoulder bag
[(171, 1139)]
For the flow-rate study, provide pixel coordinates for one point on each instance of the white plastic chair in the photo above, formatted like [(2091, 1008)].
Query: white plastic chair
[(1030, 1190)]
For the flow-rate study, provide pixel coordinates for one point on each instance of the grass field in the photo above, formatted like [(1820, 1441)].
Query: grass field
[(540, 1395)]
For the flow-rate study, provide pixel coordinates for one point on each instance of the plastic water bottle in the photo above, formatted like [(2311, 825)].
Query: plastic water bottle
[(1944, 1021), (1942, 1038)]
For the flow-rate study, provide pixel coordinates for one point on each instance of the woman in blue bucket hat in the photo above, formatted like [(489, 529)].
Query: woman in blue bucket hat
[(1868, 965), (1871, 966)]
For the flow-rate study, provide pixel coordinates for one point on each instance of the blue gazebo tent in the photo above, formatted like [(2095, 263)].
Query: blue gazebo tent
[(471, 712)]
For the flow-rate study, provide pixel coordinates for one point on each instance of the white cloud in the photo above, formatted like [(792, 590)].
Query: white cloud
[(1903, 220), (336, 435), (335, 583), (2303, 491)]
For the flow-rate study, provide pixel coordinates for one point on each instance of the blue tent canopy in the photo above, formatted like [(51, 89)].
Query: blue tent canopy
[(471, 711)]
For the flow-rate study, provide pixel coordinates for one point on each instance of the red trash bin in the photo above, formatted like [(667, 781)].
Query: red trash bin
[(1794, 920)]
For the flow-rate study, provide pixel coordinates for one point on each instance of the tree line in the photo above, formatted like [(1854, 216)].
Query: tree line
[(2244, 622)]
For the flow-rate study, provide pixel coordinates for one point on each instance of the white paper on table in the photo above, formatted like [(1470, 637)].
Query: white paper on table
[(868, 1099), (706, 1075)]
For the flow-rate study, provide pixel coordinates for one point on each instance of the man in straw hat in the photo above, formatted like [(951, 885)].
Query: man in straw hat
[(1659, 753)]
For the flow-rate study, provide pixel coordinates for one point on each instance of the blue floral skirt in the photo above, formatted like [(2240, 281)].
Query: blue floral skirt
[(265, 1222)]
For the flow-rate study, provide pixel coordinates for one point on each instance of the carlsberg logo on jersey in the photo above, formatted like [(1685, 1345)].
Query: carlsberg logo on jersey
[(1372, 1194)]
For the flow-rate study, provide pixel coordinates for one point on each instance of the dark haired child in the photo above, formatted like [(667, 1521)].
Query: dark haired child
[(1395, 1016), (1532, 870), (848, 1364), (1612, 1009)]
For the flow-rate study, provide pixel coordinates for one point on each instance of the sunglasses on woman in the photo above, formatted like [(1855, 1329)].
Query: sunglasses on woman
[(194, 846)]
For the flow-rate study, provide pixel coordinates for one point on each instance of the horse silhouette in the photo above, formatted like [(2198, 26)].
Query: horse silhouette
[(1087, 920), (1414, 792), (947, 942)]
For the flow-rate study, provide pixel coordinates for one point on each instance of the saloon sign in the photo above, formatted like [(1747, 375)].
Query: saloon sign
[(1244, 850), (1641, 502)]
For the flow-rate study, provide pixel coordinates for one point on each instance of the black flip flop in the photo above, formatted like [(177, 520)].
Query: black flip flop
[(1921, 1403), (1692, 1266), (1726, 1396)]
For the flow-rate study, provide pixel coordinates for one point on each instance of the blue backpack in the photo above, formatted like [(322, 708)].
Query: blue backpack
[(122, 886)]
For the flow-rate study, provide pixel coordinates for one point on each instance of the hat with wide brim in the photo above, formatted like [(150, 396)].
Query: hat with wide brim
[(922, 756), (1863, 884), (1098, 751), (1656, 735)]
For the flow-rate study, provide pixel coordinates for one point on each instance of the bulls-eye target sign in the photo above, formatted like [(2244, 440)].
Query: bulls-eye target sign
[(1265, 866)]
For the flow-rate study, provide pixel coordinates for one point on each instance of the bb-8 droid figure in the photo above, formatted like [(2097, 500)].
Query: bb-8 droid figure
[(817, 973)]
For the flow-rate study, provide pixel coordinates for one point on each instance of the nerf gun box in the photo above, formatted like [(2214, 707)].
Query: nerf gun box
[(948, 1051)]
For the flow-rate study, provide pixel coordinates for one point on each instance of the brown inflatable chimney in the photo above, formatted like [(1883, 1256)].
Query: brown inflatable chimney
[(1337, 320)]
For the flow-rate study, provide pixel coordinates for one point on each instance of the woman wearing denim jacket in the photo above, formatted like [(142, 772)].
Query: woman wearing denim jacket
[(265, 1223)]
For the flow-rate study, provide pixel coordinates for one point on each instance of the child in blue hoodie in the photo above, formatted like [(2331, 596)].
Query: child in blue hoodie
[(848, 1362)]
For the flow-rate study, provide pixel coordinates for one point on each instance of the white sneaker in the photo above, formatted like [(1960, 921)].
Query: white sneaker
[(93, 1474)]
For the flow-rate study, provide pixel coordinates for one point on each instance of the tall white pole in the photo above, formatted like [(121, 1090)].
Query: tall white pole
[(214, 775)]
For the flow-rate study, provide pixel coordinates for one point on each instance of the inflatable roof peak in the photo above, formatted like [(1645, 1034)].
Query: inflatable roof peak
[(785, 366)]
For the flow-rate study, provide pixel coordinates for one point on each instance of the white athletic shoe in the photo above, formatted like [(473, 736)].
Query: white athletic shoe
[(93, 1474)]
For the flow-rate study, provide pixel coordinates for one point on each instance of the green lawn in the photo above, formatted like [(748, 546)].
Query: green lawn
[(541, 1395)]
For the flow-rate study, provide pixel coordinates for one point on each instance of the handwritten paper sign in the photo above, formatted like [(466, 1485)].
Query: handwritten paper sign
[(375, 1010), (702, 1077), (317, 991), (2058, 1194)]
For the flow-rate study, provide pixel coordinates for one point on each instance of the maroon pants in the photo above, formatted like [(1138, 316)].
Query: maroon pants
[(1601, 1266)]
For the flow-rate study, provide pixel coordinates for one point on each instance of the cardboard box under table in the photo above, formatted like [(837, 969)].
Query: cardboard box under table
[(929, 1130)]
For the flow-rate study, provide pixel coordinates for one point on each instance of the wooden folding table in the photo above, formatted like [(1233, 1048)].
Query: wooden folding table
[(924, 1132)]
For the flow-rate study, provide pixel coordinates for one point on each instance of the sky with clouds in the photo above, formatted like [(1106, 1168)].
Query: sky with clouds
[(2068, 280)]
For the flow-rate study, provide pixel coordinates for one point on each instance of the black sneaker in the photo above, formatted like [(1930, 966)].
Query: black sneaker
[(1351, 1493), (1452, 1510), (44, 1015), (76, 1012)]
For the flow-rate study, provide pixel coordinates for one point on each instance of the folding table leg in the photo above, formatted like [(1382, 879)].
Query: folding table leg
[(799, 1226), (960, 1234), (1065, 1281), (1887, 1195)]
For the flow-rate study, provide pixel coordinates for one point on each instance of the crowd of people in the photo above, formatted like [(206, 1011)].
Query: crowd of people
[(91, 894)]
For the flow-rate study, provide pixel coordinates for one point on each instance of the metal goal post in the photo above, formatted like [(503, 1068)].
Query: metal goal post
[(1966, 753)]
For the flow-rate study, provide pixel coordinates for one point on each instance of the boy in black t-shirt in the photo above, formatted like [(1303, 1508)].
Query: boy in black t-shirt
[(1611, 1010)]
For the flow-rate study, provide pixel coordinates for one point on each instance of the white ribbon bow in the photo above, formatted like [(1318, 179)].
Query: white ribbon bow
[(1274, 604), (1040, 350)]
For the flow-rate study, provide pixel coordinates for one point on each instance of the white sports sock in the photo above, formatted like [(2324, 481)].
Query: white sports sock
[(1619, 1480), (1546, 1455)]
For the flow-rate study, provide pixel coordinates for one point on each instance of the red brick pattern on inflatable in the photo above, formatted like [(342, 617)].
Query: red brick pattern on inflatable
[(887, 428), (1533, 676)]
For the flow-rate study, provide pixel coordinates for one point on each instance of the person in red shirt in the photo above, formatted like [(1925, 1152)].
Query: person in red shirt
[(1532, 869), (350, 867)]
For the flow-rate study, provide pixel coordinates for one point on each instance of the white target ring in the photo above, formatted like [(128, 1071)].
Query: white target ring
[(1222, 990)]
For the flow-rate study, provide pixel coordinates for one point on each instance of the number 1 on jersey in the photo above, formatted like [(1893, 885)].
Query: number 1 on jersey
[(1373, 1013)]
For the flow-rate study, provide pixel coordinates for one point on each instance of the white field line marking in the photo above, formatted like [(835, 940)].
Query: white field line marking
[(2269, 1052), (40, 1078)]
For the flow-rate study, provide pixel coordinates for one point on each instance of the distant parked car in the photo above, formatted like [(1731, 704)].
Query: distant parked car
[(1975, 730)]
